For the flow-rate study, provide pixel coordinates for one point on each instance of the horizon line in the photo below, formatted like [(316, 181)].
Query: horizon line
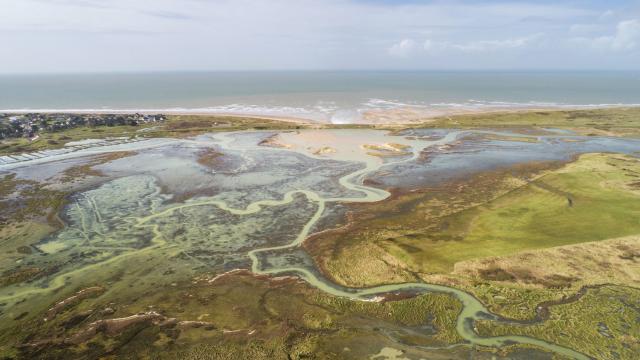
[(150, 72)]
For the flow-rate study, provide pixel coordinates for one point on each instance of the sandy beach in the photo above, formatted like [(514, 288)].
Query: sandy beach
[(395, 116)]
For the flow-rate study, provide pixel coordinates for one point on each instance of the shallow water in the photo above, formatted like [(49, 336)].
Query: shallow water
[(266, 201), (471, 154)]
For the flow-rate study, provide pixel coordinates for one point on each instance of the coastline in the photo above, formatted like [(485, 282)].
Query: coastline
[(182, 112), (620, 121), (396, 116)]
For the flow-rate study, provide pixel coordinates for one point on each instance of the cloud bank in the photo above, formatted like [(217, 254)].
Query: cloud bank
[(167, 35)]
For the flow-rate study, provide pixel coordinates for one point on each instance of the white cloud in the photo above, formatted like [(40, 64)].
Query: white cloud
[(627, 35), (626, 38), (606, 15), (493, 45), (403, 48), (131, 35), (432, 46), (479, 46)]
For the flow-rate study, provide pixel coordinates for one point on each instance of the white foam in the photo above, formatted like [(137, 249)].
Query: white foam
[(345, 116), (327, 110)]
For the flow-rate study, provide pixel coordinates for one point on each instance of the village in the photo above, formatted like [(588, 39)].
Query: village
[(29, 125)]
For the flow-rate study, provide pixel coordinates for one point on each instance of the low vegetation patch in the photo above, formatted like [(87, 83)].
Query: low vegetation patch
[(603, 324), (609, 121)]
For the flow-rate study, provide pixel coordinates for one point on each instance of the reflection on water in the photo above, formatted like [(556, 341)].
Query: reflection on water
[(473, 153)]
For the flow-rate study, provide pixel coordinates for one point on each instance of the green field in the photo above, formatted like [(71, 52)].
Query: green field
[(595, 198), (589, 200), (611, 121)]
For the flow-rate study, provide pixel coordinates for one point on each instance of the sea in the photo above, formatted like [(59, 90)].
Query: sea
[(329, 96)]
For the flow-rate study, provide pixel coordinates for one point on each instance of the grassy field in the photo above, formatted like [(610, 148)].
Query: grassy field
[(600, 262), (594, 198), (514, 285), (611, 121), (589, 200)]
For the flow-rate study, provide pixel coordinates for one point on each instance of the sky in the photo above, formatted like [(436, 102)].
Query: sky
[(50, 36)]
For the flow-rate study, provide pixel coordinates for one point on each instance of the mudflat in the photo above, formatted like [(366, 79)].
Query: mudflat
[(479, 235)]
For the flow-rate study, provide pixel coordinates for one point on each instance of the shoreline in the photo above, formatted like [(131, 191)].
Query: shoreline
[(396, 116), (283, 118)]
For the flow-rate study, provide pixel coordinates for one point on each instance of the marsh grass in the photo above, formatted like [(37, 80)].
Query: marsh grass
[(602, 324)]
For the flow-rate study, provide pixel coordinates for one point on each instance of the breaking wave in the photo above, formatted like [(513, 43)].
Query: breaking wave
[(330, 111)]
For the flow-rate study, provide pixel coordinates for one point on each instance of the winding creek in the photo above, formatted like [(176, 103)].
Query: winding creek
[(353, 182), (472, 308)]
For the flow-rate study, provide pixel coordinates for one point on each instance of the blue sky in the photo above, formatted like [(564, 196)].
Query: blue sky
[(167, 35)]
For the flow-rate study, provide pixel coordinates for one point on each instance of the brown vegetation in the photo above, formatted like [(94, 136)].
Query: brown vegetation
[(612, 261), (209, 158), (72, 300), (87, 169)]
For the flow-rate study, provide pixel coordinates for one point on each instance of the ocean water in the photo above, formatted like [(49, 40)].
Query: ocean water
[(340, 96)]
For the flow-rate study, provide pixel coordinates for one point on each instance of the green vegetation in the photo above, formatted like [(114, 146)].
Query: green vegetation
[(175, 126), (55, 140), (610, 121), (514, 285), (243, 315), (437, 310), (602, 324), (586, 201), (238, 314), (189, 125), (157, 302), (396, 235), (498, 214), (514, 301)]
